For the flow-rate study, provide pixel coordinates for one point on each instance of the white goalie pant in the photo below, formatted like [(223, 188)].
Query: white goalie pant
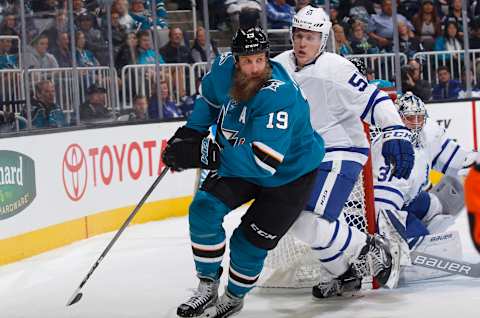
[(334, 243)]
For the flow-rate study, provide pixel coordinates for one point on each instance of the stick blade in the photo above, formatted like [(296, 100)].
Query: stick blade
[(74, 299)]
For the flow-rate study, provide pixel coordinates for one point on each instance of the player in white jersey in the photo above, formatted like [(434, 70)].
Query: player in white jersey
[(404, 208), (340, 98)]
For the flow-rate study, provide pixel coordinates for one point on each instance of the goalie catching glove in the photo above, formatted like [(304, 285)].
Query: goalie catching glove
[(397, 150), (189, 148)]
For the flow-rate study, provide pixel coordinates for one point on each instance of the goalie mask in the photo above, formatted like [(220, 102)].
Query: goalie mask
[(414, 115), (313, 19)]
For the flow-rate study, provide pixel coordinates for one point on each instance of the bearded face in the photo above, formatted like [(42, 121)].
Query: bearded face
[(251, 73)]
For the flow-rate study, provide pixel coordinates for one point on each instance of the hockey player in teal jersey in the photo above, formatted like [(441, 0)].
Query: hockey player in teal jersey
[(265, 150)]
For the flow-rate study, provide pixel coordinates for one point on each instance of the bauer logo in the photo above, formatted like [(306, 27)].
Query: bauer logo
[(17, 183), (74, 171)]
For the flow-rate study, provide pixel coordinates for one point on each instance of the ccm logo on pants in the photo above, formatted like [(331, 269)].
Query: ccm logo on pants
[(262, 233)]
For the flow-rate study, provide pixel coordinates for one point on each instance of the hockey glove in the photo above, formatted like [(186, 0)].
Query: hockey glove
[(397, 150), (189, 148)]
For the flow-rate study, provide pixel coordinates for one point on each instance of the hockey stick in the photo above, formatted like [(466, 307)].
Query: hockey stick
[(77, 295), (446, 264)]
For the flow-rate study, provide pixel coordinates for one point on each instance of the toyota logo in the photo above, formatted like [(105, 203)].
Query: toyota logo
[(74, 170)]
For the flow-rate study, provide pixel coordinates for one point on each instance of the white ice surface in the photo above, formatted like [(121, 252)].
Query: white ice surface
[(150, 271)]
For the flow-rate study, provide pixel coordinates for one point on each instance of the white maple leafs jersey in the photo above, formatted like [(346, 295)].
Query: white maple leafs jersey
[(435, 152), (340, 98)]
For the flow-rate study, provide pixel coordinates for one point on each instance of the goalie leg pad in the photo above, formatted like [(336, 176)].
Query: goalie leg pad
[(446, 244), (393, 225)]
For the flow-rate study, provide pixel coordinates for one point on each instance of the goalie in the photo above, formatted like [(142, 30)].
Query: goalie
[(405, 209)]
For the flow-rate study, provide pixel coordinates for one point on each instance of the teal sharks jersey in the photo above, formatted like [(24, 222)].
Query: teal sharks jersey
[(268, 140)]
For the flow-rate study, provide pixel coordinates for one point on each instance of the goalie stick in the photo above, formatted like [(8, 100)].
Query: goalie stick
[(77, 295), (446, 264)]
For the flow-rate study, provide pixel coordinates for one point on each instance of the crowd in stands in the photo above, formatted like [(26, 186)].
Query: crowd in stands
[(359, 27)]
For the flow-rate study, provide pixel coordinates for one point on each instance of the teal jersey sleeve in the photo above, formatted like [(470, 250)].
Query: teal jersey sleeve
[(214, 90)]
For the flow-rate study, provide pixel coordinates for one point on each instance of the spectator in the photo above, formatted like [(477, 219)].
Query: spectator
[(427, 25), (455, 15), (360, 42), (62, 51), (60, 25), (199, 52), (174, 51), (9, 24), (78, 8), (7, 121), (38, 57), (7, 60), (446, 87), (235, 7), (94, 109), (451, 41), (380, 83), (408, 8), (475, 87), (145, 53), (335, 16), (121, 7), (45, 113), (140, 107), (412, 82), (45, 6), (342, 46), (279, 14), (85, 58), (169, 107), (217, 14), (380, 27), (93, 38), (142, 17), (127, 54), (356, 10), (118, 33), (475, 34), (408, 44)]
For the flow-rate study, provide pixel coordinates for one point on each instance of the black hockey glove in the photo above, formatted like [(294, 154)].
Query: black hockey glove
[(189, 148)]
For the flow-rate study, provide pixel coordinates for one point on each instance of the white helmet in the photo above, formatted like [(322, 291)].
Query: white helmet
[(313, 19)]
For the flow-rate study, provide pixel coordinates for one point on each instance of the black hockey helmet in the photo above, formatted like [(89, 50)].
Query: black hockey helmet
[(249, 41), (359, 64)]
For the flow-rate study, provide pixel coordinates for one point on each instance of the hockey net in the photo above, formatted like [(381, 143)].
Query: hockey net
[(292, 264)]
